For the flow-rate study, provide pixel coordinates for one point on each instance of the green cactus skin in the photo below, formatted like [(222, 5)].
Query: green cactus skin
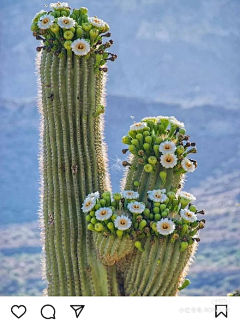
[(83, 254)]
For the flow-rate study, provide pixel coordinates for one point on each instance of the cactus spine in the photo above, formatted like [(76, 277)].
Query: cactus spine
[(139, 241)]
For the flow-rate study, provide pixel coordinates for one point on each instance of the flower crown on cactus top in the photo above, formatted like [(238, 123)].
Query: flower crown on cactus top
[(74, 31), (161, 139)]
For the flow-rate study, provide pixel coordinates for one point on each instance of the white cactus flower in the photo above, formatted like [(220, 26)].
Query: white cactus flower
[(129, 194), (188, 215), (80, 47), (138, 126), (103, 213), (136, 207), (122, 222), (168, 160), (45, 21), (96, 22), (88, 204), (157, 196), (186, 195), (165, 226), (188, 165), (66, 22), (167, 147), (58, 5)]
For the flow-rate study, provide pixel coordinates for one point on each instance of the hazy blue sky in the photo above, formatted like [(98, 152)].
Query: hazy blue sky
[(177, 52)]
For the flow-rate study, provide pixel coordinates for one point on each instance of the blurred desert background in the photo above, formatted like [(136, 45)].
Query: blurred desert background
[(176, 58)]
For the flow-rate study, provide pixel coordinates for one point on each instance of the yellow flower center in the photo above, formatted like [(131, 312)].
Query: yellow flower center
[(66, 21), (169, 159), (88, 203), (130, 193), (136, 206), (45, 21), (158, 196), (189, 215), (123, 222), (167, 147), (103, 212), (189, 164), (165, 226), (138, 124), (80, 46)]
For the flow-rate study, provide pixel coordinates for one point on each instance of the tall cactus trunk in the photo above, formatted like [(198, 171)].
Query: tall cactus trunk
[(74, 164)]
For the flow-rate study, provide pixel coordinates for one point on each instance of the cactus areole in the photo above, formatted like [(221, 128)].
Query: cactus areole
[(138, 242)]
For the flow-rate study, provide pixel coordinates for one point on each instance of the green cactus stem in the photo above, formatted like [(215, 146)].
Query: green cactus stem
[(138, 242)]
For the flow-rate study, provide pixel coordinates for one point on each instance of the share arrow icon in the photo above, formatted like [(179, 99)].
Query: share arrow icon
[(78, 309)]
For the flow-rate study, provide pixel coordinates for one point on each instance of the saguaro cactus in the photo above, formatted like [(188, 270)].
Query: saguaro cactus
[(136, 242)]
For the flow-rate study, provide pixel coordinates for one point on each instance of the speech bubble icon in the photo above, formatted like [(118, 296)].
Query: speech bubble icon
[(48, 312)]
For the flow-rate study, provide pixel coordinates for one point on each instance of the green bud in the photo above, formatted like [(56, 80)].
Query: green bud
[(148, 168), (156, 210), (194, 224), (193, 208), (146, 212), (156, 150), (135, 142), (117, 196), (110, 226), (67, 45), (146, 133), (73, 16), (114, 204), (54, 27), (139, 136), (162, 207), (185, 284), (87, 26), (151, 216), (148, 139), (93, 220), (163, 176), (183, 246), (90, 227), (68, 35), (142, 224), (93, 33), (79, 32), (158, 140), (154, 226), (180, 149), (146, 146), (158, 217), (34, 27), (64, 13), (126, 140), (119, 233), (175, 237), (84, 18), (98, 227), (97, 206), (193, 233), (164, 213), (171, 195), (76, 12), (132, 134), (106, 193), (152, 160), (138, 245), (136, 183), (83, 10), (157, 204), (182, 131), (132, 149), (92, 213), (88, 218), (184, 202), (114, 216), (184, 229), (190, 242)]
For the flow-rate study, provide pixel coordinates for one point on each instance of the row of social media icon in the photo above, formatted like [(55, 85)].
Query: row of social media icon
[(47, 311)]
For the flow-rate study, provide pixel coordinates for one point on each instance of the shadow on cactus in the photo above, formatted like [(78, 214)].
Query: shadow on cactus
[(138, 242)]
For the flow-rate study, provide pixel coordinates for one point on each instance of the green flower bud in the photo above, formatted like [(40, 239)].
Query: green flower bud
[(182, 131), (132, 149), (146, 212), (162, 207), (171, 195), (132, 134), (88, 218), (156, 150), (158, 140), (175, 237), (84, 18), (146, 146), (156, 210), (93, 221), (184, 229), (110, 226), (194, 224), (151, 216), (138, 245), (184, 202), (87, 26), (73, 16), (193, 209), (64, 13), (163, 176), (142, 224), (126, 140), (67, 45), (146, 133), (190, 242), (157, 204), (136, 183), (139, 136), (92, 213), (76, 12), (114, 204), (193, 233), (57, 13), (114, 216), (83, 10), (98, 227), (79, 32), (54, 27), (117, 196), (34, 27), (148, 139), (119, 233), (185, 284), (154, 226), (135, 142), (90, 227), (158, 217), (152, 160), (148, 168), (106, 193), (68, 35), (180, 150), (93, 33), (164, 213), (183, 246), (97, 206)]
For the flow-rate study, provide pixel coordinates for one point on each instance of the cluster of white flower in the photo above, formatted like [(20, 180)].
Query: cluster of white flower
[(157, 195), (129, 194)]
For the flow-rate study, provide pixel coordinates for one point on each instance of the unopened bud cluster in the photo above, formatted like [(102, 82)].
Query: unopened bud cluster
[(164, 140), (163, 215), (62, 29)]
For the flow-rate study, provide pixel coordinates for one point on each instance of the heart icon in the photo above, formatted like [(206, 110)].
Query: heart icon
[(18, 311)]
